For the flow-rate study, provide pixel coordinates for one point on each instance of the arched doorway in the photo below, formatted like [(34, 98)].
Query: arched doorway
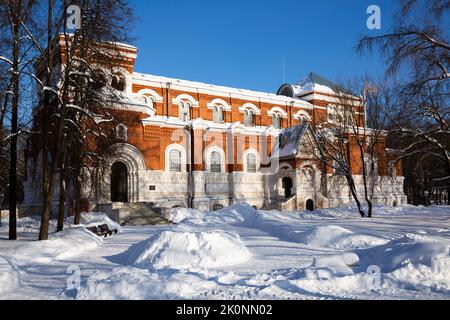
[(287, 186), (119, 182), (309, 205)]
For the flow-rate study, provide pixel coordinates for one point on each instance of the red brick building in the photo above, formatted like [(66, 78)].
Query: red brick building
[(191, 144)]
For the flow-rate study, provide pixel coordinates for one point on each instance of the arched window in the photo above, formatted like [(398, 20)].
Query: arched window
[(175, 160), (248, 118), (276, 120), (149, 101), (118, 82), (251, 163), (183, 112), (215, 162), (121, 132), (217, 207), (371, 166), (302, 116), (218, 114)]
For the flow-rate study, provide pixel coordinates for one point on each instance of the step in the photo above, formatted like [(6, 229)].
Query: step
[(143, 222), (140, 214)]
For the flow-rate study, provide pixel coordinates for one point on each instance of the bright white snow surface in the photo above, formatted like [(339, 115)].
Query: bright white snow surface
[(237, 253)]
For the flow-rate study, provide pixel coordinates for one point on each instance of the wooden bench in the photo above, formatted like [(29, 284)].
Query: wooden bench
[(105, 228), (102, 230)]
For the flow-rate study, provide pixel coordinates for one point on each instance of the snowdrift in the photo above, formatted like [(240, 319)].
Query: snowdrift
[(351, 212), (139, 284), (409, 249), (90, 219), (9, 276), (291, 227), (177, 215), (62, 245), (338, 238), (411, 262), (188, 250)]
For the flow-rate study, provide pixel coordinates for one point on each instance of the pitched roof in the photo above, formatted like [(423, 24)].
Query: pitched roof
[(289, 141), (315, 82)]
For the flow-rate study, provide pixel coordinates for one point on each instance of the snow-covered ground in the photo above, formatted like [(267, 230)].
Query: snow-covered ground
[(237, 253)]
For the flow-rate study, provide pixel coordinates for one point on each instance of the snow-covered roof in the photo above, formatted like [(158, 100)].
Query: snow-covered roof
[(116, 96), (314, 83), (217, 88), (289, 141)]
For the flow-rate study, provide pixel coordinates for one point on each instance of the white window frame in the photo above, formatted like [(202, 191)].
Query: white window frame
[(177, 147), (368, 165), (249, 118), (208, 155), (302, 115), (152, 94), (278, 110), (255, 153), (120, 127), (276, 117), (245, 108), (184, 108), (218, 113)]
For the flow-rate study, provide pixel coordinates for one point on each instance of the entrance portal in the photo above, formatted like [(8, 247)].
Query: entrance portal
[(287, 186), (309, 205), (119, 182)]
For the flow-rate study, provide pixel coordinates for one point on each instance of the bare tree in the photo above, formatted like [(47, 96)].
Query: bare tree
[(13, 15), (418, 47), (73, 94), (353, 139)]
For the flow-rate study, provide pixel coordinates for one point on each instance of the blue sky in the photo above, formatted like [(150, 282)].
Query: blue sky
[(241, 43)]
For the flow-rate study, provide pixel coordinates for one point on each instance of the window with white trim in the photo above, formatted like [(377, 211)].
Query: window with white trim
[(118, 82), (121, 132), (218, 114), (149, 101), (175, 160), (276, 121), (251, 163), (215, 164), (371, 166), (248, 118), (183, 110)]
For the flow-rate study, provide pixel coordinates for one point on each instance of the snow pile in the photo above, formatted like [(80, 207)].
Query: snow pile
[(351, 212), (336, 237), (409, 249), (291, 227), (409, 263), (9, 276), (238, 214), (337, 264), (62, 245), (90, 219), (139, 284), (179, 214), (188, 250)]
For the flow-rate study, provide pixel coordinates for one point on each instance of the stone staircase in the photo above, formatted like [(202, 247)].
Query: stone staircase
[(282, 204), (138, 213)]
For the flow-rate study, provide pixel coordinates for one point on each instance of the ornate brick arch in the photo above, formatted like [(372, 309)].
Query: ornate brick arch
[(133, 159)]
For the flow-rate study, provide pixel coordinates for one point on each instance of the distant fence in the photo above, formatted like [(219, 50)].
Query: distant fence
[(431, 196)]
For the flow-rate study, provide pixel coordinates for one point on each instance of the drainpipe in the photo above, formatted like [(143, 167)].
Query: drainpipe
[(167, 98), (191, 169), (291, 105), (203, 158)]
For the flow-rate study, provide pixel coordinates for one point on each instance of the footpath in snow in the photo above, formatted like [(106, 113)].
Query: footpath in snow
[(237, 253)]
